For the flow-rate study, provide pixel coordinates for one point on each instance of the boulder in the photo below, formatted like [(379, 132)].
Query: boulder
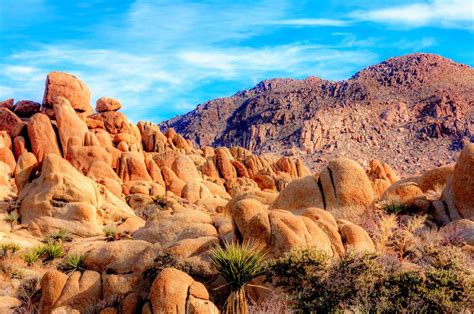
[(169, 226), (300, 193), (26, 108), (116, 257), (107, 104), (132, 167), (7, 103), (435, 178), (290, 231), (402, 193), (10, 122), (81, 291), (355, 237), (185, 169), (61, 197), (251, 221), (347, 189), (26, 167), (114, 122), (42, 137), (52, 284), (69, 123), (59, 84), (463, 183), (173, 291)]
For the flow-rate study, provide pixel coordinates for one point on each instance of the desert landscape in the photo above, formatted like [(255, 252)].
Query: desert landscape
[(294, 196), (236, 157)]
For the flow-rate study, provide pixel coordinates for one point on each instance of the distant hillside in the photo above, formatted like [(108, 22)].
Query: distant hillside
[(418, 106)]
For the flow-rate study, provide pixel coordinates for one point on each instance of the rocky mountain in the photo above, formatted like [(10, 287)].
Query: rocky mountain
[(414, 111)]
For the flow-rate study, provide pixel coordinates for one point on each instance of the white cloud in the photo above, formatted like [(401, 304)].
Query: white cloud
[(443, 13)]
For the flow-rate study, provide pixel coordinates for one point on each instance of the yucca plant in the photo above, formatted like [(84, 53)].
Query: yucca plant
[(30, 257), (51, 251), (12, 218), (8, 249), (61, 236), (238, 264), (110, 233), (72, 263)]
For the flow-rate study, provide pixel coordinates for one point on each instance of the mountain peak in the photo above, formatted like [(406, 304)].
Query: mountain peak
[(411, 106)]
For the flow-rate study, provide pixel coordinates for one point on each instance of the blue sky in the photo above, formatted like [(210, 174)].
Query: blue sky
[(162, 58)]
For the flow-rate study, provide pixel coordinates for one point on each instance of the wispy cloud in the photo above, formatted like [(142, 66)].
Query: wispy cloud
[(442, 13), (313, 22)]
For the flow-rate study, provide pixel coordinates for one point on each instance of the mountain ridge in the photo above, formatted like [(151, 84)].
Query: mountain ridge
[(419, 101)]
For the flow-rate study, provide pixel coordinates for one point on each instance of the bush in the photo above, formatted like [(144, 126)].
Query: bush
[(374, 283), (28, 294), (238, 264), (51, 251), (72, 263), (110, 233), (394, 208), (12, 217), (8, 249), (61, 236), (46, 253), (30, 257)]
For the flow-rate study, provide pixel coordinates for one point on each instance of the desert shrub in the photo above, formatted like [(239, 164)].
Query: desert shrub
[(47, 252), (394, 207), (28, 294), (30, 257), (12, 217), (9, 249), (110, 233), (238, 264), (374, 283), (271, 306), (61, 236), (149, 210), (51, 251), (72, 263)]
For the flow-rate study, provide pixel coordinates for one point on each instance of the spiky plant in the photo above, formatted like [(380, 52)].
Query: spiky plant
[(238, 264), (61, 236), (52, 251), (394, 207), (9, 249), (72, 263), (110, 233), (30, 257), (12, 217)]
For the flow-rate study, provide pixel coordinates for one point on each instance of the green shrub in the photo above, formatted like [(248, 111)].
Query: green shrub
[(373, 283), (29, 294), (12, 217), (7, 249), (46, 253), (110, 233), (30, 257), (51, 251), (61, 236), (238, 264), (72, 263), (394, 208)]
